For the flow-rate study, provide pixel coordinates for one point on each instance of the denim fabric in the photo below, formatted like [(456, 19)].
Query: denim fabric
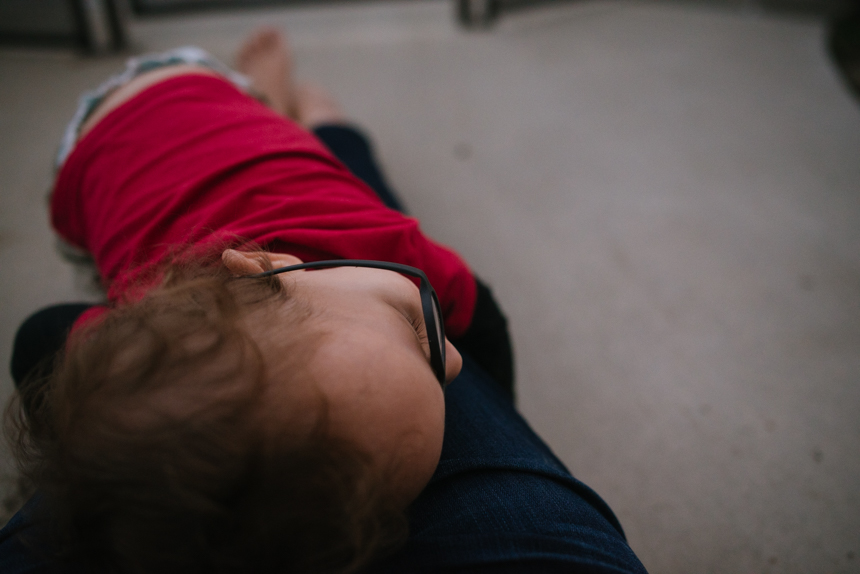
[(40, 337), (19, 553), (353, 150), (501, 501)]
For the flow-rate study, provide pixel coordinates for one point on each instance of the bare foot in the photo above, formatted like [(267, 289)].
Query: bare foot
[(265, 58), (314, 106)]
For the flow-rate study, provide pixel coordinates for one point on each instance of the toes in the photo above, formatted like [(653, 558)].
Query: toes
[(265, 39), (268, 37), (261, 40)]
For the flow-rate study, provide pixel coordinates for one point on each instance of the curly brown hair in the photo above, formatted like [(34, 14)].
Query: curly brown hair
[(146, 441)]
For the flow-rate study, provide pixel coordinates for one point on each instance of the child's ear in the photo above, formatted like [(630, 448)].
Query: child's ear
[(250, 262)]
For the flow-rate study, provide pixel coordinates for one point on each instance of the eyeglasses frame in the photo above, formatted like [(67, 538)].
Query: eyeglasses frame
[(429, 298)]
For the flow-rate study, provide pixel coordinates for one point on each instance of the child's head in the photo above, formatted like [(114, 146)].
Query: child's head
[(369, 362), (224, 424)]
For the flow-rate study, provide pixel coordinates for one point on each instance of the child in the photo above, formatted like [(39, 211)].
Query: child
[(213, 421)]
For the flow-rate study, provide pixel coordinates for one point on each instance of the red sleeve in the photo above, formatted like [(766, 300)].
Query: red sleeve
[(192, 160)]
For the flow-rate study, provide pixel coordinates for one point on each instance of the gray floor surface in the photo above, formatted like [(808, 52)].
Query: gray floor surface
[(667, 201)]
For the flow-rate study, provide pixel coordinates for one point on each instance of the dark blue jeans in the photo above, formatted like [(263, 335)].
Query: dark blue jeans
[(499, 502)]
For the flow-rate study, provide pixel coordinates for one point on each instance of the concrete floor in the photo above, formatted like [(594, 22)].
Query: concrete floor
[(667, 201)]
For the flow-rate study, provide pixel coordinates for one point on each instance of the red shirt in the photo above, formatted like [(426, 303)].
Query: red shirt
[(192, 159)]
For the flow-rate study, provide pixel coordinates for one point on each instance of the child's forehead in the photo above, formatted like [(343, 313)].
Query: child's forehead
[(357, 279), (361, 295), (379, 393), (357, 342), (373, 352)]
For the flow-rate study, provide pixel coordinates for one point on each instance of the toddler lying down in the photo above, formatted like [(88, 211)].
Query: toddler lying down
[(234, 408)]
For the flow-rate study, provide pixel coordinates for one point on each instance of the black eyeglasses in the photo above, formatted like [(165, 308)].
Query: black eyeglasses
[(429, 301)]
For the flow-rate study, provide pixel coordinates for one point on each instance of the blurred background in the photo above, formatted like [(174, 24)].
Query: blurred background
[(664, 195)]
